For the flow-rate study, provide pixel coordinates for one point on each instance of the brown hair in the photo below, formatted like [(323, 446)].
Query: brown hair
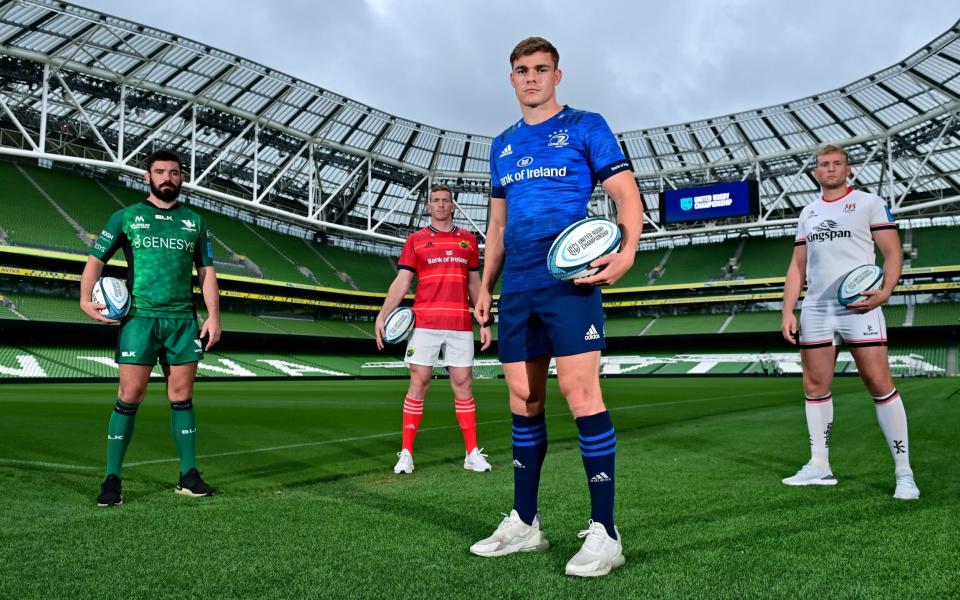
[(831, 149), (439, 187), (532, 45)]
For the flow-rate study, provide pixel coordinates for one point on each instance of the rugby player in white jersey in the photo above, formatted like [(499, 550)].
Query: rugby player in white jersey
[(835, 234)]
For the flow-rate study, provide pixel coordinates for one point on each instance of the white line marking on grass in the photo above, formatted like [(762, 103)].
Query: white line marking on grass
[(358, 438)]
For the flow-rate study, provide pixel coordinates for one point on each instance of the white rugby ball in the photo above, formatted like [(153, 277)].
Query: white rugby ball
[(398, 325), (112, 292), (579, 245), (862, 279)]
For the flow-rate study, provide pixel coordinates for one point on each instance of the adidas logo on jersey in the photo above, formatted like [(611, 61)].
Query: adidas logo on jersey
[(506, 151), (518, 465), (592, 334), (600, 477)]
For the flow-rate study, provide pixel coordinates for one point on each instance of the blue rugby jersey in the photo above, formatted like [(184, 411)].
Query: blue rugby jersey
[(546, 173)]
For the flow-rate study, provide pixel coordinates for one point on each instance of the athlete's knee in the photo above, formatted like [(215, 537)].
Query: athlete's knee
[(418, 386)]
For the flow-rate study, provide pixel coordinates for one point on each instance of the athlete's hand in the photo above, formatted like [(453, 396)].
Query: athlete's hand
[(485, 338), (211, 330), (874, 299), (612, 268), (93, 311), (380, 331), (481, 308), (788, 327)]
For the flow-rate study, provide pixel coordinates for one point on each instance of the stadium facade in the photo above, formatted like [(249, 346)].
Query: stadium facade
[(78, 86)]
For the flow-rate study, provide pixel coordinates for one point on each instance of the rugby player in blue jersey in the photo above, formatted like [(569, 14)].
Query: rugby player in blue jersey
[(544, 169)]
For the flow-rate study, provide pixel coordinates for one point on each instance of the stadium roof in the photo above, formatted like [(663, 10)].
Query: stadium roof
[(84, 87)]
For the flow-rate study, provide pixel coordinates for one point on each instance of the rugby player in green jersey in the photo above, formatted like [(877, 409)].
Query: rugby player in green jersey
[(163, 241)]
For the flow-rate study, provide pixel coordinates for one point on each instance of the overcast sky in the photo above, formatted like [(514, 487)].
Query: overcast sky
[(640, 64)]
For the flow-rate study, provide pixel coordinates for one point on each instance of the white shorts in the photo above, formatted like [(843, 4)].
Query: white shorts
[(425, 345), (822, 325)]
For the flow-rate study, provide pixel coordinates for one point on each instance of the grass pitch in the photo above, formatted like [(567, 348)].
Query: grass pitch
[(308, 505)]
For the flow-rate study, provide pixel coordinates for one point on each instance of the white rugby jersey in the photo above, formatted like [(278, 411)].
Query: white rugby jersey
[(839, 237)]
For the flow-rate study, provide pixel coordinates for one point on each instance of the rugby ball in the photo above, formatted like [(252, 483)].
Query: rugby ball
[(112, 292), (398, 326), (579, 245), (862, 279)]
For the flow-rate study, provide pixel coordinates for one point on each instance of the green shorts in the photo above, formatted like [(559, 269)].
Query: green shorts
[(145, 340)]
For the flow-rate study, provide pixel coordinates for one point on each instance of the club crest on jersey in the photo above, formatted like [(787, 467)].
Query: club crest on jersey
[(526, 161), (188, 225), (559, 139), (850, 207), (464, 244), (506, 151)]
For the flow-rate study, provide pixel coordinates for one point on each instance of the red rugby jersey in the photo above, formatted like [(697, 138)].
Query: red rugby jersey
[(442, 261)]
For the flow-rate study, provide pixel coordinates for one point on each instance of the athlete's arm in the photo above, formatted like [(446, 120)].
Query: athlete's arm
[(493, 259), (398, 289), (796, 275), (91, 273), (888, 240), (473, 289), (622, 187), (211, 298)]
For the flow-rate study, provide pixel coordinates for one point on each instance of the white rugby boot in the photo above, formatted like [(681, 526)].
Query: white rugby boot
[(906, 488), (599, 554), (404, 462), (811, 474), (512, 535), (476, 461)]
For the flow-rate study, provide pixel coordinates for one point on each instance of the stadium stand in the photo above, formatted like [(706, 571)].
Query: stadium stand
[(686, 324), (698, 262), (30, 219), (935, 246), (939, 313), (625, 326), (768, 320), (643, 264), (367, 272), (82, 198), (765, 257)]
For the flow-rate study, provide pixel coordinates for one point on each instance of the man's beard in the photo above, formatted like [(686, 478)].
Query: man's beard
[(168, 193)]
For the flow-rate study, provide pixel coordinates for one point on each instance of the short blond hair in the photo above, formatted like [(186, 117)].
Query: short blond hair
[(831, 149)]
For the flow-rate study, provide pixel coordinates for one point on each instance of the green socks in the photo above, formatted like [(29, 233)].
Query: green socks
[(183, 425), (119, 433)]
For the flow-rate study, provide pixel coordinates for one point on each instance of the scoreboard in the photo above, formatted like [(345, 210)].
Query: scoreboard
[(717, 201)]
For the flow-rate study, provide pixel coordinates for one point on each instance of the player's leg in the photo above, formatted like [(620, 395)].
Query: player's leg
[(874, 368), (818, 364), (520, 530), (423, 350), (579, 379), (181, 353), (458, 354), (818, 356), (136, 354), (574, 322)]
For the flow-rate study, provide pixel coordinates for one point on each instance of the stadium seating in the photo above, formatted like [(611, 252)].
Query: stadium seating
[(625, 326), (82, 198), (765, 257), (644, 262), (743, 322), (894, 314), (940, 313), (936, 246), (57, 309), (28, 219), (686, 324), (698, 262), (368, 272)]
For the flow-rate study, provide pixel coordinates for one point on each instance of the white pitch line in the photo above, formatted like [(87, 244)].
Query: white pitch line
[(352, 439)]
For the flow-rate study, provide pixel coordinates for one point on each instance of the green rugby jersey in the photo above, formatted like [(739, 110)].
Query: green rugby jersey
[(161, 247)]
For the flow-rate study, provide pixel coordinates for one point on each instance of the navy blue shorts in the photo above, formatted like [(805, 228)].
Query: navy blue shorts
[(555, 321)]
